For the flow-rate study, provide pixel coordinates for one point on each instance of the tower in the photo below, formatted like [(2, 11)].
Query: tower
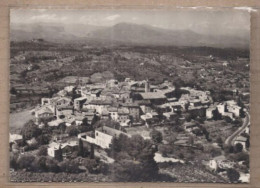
[(147, 86)]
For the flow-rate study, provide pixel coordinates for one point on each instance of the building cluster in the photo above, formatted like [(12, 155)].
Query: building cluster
[(228, 108), (128, 103)]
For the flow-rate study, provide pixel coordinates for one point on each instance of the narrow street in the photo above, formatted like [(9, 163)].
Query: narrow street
[(246, 121)]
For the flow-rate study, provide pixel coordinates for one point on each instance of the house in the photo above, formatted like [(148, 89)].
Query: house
[(45, 101), (210, 112), (156, 98), (62, 102), (234, 109), (170, 115), (102, 136), (123, 115), (90, 115), (15, 138), (62, 93), (78, 102), (105, 114), (113, 113), (220, 162), (61, 151), (64, 111), (43, 113), (134, 110), (31, 142), (247, 130), (182, 142), (69, 89), (242, 140), (195, 102), (98, 105), (145, 106), (112, 83), (190, 126), (79, 119), (69, 121), (229, 106), (150, 118), (56, 123)]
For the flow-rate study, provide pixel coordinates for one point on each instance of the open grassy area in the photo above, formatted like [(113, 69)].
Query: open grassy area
[(142, 130), (18, 119)]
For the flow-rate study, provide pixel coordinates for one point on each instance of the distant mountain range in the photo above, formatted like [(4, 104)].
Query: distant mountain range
[(123, 33)]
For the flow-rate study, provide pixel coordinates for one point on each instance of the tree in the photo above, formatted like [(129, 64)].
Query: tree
[(216, 115), (181, 156), (70, 166), (43, 139), (25, 161), (81, 149), (219, 141), (52, 165), (40, 164), (134, 159), (42, 151), (238, 147), (13, 160), (72, 130), (156, 136), (165, 149), (30, 130), (233, 175), (13, 91), (247, 143), (229, 149)]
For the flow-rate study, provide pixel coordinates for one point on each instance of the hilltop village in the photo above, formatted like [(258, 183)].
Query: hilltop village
[(86, 128)]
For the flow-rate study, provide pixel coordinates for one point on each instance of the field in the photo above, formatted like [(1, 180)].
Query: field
[(23, 117), (142, 130)]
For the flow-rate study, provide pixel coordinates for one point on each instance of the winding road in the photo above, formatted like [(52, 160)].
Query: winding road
[(246, 121)]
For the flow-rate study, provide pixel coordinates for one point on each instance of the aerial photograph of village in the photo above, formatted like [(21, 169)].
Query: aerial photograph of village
[(129, 95)]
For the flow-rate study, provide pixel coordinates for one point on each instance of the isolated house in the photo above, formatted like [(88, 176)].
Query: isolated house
[(62, 150), (220, 162), (242, 140), (15, 138), (102, 136), (43, 113)]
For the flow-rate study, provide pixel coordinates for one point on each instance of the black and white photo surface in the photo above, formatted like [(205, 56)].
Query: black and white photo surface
[(129, 95)]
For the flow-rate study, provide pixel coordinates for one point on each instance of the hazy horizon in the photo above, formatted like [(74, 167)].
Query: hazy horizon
[(219, 24)]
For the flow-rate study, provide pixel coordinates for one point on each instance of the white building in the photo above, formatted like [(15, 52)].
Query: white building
[(102, 136), (210, 111)]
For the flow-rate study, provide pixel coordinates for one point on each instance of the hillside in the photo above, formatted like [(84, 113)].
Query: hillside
[(123, 33)]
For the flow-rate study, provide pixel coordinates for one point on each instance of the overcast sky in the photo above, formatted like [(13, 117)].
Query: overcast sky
[(215, 22)]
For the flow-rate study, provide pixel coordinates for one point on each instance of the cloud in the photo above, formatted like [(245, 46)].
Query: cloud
[(249, 9), (113, 17), (48, 18)]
